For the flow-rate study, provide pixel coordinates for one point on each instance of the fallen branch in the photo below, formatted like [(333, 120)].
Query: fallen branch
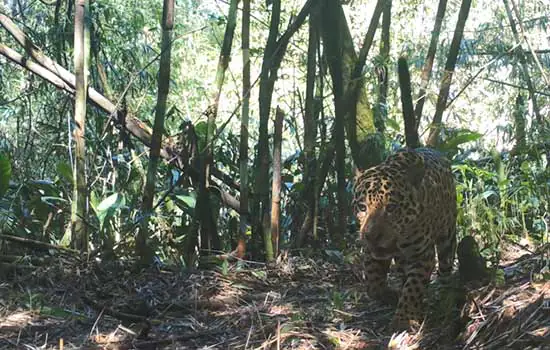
[(123, 316), (515, 86), (153, 344), (5, 267), (515, 319), (52, 72), (38, 244), (24, 259)]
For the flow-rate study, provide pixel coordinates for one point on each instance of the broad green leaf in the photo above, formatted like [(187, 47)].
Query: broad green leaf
[(94, 201), (260, 274), (459, 197), (300, 186), (500, 278), (393, 124), (188, 200), (525, 167), (5, 173), (108, 202), (225, 267), (57, 312), (65, 171), (108, 206), (51, 199), (201, 128), (488, 194), (463, 136)]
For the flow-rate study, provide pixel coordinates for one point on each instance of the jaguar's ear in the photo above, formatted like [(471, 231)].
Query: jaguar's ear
[(357, 172), (415, 172)]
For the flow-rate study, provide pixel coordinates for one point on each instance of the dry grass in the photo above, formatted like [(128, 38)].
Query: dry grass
[(299, 304)]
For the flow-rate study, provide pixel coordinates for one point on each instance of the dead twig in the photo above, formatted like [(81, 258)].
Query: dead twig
[(117, 314), (151, 344), (39, 245)]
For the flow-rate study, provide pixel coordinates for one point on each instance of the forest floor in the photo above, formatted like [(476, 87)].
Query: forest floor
[(298, 303)]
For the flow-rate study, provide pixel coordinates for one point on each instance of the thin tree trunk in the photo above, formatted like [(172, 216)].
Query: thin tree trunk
[(243, 150), (273, 55), (383, 76), (523, 63), (411, 132), (347, 88), (143, 248), (519, 126), (207, 226), (276, 186), (265, 95), (341, 183), (367, 42), (318, 112), (79, 235), (310, 125), (58, 28), (321, 176), (339, 140), (448, 73), (312, 215), (430, 57)]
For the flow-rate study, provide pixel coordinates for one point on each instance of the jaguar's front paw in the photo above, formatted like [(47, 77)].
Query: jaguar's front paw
[(401, 323)]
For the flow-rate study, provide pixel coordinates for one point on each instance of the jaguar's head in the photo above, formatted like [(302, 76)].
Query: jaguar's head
[(383, 198)]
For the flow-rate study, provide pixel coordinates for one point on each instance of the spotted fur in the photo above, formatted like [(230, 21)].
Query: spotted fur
[(405, 206)]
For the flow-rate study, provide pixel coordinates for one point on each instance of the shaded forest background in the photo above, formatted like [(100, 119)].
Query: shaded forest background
[(259, 158)]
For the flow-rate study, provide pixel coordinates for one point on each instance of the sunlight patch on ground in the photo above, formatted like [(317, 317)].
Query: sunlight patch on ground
[(404, 341), (17, 320), (116, 336), (351, 339), (281, 310)]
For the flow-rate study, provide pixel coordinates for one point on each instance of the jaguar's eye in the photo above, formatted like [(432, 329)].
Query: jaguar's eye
[(390, 208)]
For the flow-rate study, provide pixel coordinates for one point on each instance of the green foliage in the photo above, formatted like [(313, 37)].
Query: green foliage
[(455, 138), (188, 201), (502, 197), (337, 299), (65, 171), (201, 129), (59, 312), (31, 209), (499, 196), (107, 208), (5, 173), (499, 278)]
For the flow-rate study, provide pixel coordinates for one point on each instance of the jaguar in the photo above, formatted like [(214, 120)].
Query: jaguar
[(406, 211)]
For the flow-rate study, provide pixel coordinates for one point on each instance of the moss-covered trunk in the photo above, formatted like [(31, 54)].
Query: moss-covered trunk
[(359, 120)]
